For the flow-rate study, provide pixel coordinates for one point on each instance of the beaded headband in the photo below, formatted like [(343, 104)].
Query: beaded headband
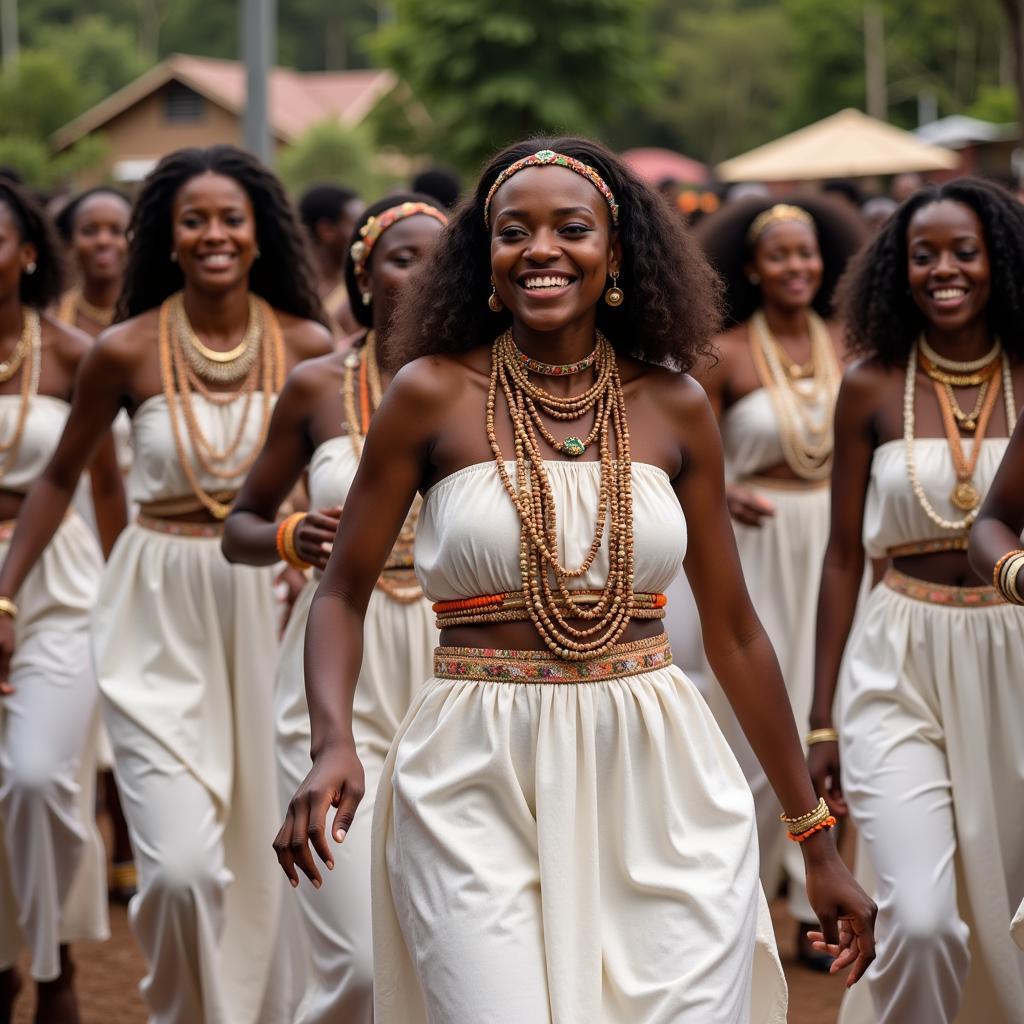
[(549, 158), (777, 214), (371, 231)]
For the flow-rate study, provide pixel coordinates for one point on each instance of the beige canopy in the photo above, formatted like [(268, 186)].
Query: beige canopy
[(846, 145)]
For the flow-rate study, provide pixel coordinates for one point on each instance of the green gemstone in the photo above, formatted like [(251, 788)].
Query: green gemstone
[(573, 447)]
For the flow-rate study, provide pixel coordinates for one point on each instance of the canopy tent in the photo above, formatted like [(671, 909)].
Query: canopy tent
[(846, 145), (656, 165)]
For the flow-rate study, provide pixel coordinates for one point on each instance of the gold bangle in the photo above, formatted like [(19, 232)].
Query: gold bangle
[(288, 549), (8, 608), (796, 826), (996, 571), (821, 736), (1006, 573)]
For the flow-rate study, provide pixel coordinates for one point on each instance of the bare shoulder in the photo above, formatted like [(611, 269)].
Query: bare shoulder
[(304, 339), (67, 343), (430, 384), (127, 345), (311, 379), (870, 381), (679, 396)]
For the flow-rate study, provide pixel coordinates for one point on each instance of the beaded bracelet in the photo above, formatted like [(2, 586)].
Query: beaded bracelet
[(8, 608), (829, 822), (1006, 573), (286, 540), (796, 826)]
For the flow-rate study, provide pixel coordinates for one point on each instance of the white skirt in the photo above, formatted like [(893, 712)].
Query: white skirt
[(936, 689), (552, 852), (398, 645)]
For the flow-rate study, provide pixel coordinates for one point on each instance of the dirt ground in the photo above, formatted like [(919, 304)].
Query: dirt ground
[(109, 973)]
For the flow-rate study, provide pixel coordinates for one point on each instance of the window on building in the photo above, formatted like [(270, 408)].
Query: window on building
[(182, 104)]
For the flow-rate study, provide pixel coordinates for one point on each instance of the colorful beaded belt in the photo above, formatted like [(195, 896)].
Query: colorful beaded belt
[(176, 528), (773, 483), (927, 547), (512, 607), (941, 593), (490, 665)]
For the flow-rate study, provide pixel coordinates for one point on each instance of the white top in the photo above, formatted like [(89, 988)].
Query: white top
[(331, 471), (156, 473), (893, 515), (43, 428), (467, 540)]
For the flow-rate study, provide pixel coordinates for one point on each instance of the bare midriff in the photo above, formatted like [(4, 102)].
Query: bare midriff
[(521, 636)]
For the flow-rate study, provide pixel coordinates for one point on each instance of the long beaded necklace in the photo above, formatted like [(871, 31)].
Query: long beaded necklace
[(74, 302), (179, 382), (804, 404), (31, 344), (965, 495), (534, 501), (361, 389)]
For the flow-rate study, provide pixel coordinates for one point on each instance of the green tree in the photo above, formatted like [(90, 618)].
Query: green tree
[(490, 71), (102, 55), (331, 152), (38, 95)]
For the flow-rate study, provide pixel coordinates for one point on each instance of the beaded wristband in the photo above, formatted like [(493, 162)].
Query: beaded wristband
[(8, 608), (822, 826), (821, 736), (805, 821), (286, 540)]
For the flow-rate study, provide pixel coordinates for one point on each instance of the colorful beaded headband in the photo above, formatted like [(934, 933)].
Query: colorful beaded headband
[(776, 215), (549, 158), (371, 231)]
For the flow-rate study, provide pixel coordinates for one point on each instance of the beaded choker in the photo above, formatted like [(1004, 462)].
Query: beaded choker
[(954, 366), (555, 369), (549, 158)]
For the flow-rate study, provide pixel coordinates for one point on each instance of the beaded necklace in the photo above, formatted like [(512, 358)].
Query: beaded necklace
[(74, 302), (398, 580), (179, 382), (554, 369), (552, 607), (965, 496), (31, 343), (804, 405)]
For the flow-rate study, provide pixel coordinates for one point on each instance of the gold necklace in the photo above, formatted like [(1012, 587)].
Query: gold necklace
[(10, 366), (803, 406), (31, 336), (398, 580), (212, 364), (953, 365), (533, 497)]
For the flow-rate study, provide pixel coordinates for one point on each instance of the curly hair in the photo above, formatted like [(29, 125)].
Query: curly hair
[(724, 238), (882, 320), (65, 220), (362, 312), (671, 310), (283, 275), (43, 287)]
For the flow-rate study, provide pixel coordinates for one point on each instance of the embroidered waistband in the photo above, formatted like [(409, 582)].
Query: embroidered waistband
[(500, 666), (927, 547), (177, 528), (941, 593)]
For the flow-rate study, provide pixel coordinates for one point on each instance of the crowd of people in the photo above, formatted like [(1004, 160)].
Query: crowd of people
[(600, 544)]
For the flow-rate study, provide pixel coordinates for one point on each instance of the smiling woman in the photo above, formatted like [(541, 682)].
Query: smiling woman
[(928, 718), (217, 306)]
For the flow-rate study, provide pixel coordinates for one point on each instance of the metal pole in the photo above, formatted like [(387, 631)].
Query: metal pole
[(875, 70), (259, 47), (9, 31)]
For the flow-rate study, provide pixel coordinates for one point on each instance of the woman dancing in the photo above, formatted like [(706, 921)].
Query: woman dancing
[(52, 867), (320, 422), (217, 305), (773, 387), (561, 833), (928, 715)]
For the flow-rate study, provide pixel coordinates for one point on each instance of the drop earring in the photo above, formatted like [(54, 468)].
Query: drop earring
[(30, 268), (367, 298), (614, 296), (494, 304)]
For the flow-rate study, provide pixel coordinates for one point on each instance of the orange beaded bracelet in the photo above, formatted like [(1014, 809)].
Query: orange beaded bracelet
[(286, 540), (829, 822)]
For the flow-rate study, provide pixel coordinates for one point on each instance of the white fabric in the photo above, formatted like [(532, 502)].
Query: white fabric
[(750, 436), (1017, 926), (931, 723), (185, 649), (782, 566), (52, 861), (43, 427), (467, 539), (682, 624), (156, 472), (892, 513), (564, 853), (398, 643)]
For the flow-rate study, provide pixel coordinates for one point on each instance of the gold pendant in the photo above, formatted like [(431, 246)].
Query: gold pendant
[(965, 496)]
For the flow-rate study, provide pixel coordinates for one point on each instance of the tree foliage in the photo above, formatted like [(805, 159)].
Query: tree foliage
[(332, 152)]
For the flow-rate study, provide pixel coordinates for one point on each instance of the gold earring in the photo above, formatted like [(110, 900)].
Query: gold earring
[(614, 296), (494, 304), (367, 298)]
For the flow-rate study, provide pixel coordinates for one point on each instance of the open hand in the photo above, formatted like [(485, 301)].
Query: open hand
[(746, 507)]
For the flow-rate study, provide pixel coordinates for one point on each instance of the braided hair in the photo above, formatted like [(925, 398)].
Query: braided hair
[(283, 275), (671, 309), (882, 320), (43, 287), (840, 233)]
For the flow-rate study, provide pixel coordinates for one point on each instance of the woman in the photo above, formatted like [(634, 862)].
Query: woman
[(217, 306), (94, 227), (773, 387), (51, 855), (928, 718), (558, 852), (318, 423)]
